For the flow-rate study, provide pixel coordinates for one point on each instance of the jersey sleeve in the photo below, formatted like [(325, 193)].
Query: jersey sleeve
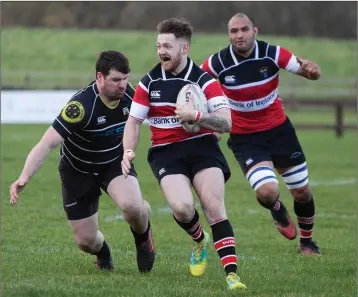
[(140, 104), (286, 60), (213, 93), (207, 66), (71, 119)]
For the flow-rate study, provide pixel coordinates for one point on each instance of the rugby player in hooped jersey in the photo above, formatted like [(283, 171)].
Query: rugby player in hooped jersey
[(90, 131), (262, 137), (180, 159)]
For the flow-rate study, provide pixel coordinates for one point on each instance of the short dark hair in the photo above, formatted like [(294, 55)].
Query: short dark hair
[(180, 27), (109, 60)]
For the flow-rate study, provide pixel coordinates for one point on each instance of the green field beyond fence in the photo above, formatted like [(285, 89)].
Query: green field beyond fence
[(45, 59)]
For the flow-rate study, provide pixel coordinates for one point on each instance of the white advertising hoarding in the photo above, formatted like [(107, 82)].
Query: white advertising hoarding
[(32, 107)]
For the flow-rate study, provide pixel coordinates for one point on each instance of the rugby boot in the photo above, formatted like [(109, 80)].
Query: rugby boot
[(198, 259), (283, 223), (309, 248), (234, 283), (146, 254)]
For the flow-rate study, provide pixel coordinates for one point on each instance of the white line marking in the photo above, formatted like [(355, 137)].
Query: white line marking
[(339, 182)]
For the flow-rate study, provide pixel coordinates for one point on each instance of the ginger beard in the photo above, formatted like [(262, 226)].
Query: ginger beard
[(170, 63), (170, 51)]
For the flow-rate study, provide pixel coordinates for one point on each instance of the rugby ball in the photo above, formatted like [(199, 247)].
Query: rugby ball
[(192, 92)]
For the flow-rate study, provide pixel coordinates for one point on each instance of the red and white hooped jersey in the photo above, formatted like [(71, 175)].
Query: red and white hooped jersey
[(156, 96), (251, 85)]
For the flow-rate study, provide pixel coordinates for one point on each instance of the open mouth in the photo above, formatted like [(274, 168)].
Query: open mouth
[(165, 59)]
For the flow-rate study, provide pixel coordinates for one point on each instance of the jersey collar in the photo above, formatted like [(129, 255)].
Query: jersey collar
[(237, 58), (184, 74)]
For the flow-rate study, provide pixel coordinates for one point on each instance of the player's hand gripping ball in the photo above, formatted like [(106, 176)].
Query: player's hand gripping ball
[(193, 99)]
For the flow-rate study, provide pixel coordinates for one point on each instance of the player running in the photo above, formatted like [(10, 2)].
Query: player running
[(262, 137), (180, 159), (90, 131)]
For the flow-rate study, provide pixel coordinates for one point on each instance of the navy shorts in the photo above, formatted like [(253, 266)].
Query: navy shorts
[(279, 145), (188, 158), (81, 192)]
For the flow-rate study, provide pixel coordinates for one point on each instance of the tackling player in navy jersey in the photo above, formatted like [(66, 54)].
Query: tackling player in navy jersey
[(90, 131), (262, 137)]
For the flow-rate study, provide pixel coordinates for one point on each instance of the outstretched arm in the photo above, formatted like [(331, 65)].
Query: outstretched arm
[(308, 69), (50, 140)]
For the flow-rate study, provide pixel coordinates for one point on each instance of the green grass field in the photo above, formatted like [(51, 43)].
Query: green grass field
[(40, 259), (67, 57)]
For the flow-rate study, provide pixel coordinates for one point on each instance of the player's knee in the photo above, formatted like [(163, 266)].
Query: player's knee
[(183, 211), (146, 207), (302, 194), (268, 193), (86, 243), (133, 211)]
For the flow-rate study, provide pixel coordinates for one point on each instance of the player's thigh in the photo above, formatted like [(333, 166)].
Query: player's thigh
[(206, 153), (126, 193), (249, 150), (285, 147), (177, 191), (80, 193), (289, 159), (168, 160), (209, 184)]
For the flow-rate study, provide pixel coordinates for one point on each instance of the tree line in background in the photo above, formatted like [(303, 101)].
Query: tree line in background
[(324, 19)]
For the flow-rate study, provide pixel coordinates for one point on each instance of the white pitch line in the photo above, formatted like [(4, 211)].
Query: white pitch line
[(339, 182)]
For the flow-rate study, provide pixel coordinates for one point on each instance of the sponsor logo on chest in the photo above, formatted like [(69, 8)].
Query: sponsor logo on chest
[(101, 120), (155, 94), (230, 79)]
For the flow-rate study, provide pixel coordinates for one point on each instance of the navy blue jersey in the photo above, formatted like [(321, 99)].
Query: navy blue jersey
[(93, 131)]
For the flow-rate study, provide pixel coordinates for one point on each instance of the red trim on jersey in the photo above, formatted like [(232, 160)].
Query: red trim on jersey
[(284, 57), (251, 93), (166, 136), (161, 111), (213, 90), (260, 120), (141, 96), (206, 67)]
